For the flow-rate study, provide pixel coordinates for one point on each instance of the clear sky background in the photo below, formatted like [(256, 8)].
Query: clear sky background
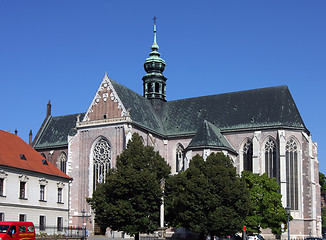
[(59, 50)]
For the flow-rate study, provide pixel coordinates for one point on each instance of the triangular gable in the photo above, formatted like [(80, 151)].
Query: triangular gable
[(209, 136), (106, 103)]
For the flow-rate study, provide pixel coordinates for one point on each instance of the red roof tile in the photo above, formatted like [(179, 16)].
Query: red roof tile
[(11, 148)]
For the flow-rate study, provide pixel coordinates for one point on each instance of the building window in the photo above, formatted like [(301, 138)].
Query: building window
[(149, 87), (179, 158), (42, 192), (22, 217), (270, 158), (59, 195), (42, 223), (157, 87), (22, 190), (63, 162), (247, 156), (59, 224), (101, 161), (2, 216), (2, 186), (291, 153)]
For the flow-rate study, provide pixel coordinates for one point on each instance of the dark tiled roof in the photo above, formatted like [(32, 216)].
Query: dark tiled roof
[(245, 110), (56, 131), (253, 109), (140, 108), (14, 152), (209, 136)]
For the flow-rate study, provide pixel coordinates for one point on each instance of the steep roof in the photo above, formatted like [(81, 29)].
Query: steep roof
[(140, 108), (56, 131), (271, 107), (14, 152), (263, 108), (209, 136)]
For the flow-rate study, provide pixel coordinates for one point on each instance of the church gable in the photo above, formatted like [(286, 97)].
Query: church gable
[(106, 103), (208, 136)]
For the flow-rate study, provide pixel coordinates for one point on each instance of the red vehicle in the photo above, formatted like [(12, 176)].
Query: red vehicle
[(17, 231)]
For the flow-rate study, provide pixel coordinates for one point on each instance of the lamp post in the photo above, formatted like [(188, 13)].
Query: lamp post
[(161, 232), (288, 211), (83, 230)]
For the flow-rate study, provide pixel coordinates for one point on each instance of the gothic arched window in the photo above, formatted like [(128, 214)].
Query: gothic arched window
[(247, 156), (179, 158), (63, 162), (291, 153), (270, 158), (101, 161)]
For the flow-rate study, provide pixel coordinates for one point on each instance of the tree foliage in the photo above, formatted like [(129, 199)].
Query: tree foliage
[(266, 209), (207, 198), (322, 182), (323, 218), (130, 199)]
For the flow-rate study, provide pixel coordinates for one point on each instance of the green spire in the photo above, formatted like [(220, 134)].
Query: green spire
[(154, 80), (155, 47)]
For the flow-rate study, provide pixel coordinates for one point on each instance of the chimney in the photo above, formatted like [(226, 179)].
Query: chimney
[(16, 131), (48, 109), (30, 138)]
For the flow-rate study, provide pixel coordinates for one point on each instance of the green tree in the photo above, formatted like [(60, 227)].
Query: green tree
[(130, 199), (266, 209), (323, 218), (207, 198), (322, 182)]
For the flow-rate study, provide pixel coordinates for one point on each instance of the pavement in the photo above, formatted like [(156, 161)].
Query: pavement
[(102, 237)]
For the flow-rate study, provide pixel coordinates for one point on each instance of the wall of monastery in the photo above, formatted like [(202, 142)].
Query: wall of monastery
[(306, 219)]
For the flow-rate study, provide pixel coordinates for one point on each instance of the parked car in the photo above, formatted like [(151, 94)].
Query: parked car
[(17, 230), (255, 237)]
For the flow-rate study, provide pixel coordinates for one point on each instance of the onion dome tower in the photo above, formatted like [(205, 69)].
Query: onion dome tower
[(154, 82)]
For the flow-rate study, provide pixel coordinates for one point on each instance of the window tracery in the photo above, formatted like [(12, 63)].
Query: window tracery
[(247, 156), (291, 153), (101, 161), (179, 158), (63, 162), (270, 158)]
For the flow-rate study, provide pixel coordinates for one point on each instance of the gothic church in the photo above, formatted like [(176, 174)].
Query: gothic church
[(260, 129)]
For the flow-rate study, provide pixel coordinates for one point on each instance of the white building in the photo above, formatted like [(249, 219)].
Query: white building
[(31, 188)]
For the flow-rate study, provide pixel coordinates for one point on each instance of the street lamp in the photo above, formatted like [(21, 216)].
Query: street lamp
[(288, 212), (83, 230)]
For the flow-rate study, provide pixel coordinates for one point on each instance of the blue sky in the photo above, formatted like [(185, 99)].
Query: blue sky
[(59, 50)]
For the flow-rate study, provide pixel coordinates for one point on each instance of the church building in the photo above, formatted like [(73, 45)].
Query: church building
[(260, 129)]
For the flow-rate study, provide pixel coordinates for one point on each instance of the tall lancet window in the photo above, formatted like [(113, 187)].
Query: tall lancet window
[(63, 162), (101, 161), (247, 156), (270, 158), (291, 152), (179, 158)]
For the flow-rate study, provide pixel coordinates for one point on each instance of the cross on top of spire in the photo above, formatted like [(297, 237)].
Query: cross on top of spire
[(154, 46)]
